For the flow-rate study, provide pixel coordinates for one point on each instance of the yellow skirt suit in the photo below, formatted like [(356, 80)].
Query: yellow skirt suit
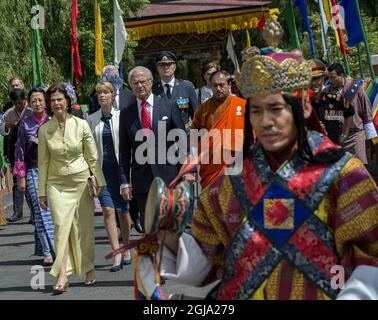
[(64, 165)]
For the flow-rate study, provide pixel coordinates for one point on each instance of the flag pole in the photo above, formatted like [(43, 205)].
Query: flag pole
[(114, 33), (360, 61), (72, 58), (372, 74)]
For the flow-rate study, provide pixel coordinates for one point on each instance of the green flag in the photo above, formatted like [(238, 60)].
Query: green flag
[(288, 15), (36, 46)]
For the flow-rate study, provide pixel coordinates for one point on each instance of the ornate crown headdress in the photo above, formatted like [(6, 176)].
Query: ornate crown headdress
[(273, 73)]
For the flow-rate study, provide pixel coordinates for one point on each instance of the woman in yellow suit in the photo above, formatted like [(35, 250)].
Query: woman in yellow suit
[(66, 155)]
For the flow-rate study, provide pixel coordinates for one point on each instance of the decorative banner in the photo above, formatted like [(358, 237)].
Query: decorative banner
[(231, 51), (288, 14), (248, 44), (301, 4), (99, 53), (75, 55), (199, 22), (352, 22), (339, 31), (36, 52), (120, 36)]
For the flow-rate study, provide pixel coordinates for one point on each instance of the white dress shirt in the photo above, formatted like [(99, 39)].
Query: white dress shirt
[(171, 85), (116, 104)]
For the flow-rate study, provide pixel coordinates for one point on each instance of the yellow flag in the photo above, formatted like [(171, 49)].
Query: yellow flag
[(327, 10), (99, 54), (248, 39)]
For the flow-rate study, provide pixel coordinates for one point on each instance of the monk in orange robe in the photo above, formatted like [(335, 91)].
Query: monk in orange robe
[(222, 111)]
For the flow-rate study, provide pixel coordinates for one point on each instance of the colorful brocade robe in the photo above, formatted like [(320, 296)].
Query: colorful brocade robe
[(277, 235)]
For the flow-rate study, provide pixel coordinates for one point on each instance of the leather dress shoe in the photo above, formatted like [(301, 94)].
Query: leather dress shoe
[(14, 218), (137, 225)]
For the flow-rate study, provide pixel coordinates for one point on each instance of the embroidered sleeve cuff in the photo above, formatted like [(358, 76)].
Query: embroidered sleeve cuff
[(362, 285), (19, 169), (190, 266), (370, 131)]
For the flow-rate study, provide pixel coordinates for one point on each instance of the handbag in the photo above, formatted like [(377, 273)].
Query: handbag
[(93, 186)]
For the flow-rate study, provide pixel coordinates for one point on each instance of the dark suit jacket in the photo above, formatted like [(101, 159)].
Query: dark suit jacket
[(143, 174), (182, 89), (126, 97)]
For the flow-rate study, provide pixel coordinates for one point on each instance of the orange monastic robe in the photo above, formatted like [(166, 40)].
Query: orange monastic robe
[(214, 116)]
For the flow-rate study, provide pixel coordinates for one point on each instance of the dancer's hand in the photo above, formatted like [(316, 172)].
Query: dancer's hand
[(169, 239), (189, 177)]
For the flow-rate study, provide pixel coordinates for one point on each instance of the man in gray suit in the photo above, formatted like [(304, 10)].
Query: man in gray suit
[(150, 113)]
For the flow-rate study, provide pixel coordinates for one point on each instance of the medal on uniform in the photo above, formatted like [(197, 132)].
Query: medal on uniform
[(238, 111)]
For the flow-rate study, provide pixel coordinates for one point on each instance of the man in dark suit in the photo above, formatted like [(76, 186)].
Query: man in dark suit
[(180, 92), (123, 96), (140, 125)]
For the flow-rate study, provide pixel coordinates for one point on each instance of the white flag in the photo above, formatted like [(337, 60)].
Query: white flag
[(324, 28), (120, 34), (231, 51)]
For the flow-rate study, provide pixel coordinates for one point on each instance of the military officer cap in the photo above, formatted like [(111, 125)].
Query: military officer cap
[(166, 57), (318, 68)]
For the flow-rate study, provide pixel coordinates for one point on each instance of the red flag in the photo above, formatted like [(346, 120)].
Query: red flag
[(77, 72), (261, 24), (336, 17)]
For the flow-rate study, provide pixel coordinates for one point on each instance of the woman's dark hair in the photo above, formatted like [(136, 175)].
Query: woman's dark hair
[(17, 94), (303, 146), (36, 90), (53, 89)]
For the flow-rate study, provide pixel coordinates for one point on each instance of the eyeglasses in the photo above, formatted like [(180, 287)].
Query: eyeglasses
[(141, 82)]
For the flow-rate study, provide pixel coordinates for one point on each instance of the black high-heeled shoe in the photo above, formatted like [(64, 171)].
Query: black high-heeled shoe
[(117, 267), (125, 261)]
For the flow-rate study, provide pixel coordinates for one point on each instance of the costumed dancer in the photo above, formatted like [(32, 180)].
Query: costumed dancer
[(300, 207)]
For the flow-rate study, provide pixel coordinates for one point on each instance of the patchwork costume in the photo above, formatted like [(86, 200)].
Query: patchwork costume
[(283, 234), (277, 235)]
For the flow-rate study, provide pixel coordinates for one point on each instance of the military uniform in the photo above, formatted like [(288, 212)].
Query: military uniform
[(184, 97), (182, 92)]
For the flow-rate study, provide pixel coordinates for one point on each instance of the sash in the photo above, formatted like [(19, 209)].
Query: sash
[(279, 208), (351, 89)]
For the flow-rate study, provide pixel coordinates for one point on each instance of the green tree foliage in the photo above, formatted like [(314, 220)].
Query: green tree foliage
[(15, 28)]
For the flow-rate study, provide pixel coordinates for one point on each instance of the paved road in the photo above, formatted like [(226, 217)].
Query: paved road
[(16, 261)]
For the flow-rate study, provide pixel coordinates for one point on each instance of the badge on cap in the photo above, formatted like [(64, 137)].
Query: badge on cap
[(165, 58)]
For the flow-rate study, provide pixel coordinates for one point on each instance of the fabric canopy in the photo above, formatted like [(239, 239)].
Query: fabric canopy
[(162, 20)]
